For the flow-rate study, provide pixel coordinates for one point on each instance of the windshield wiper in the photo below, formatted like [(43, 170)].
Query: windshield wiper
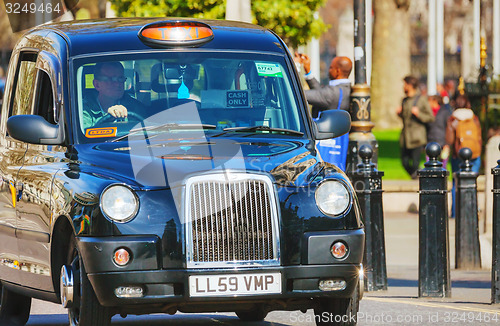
[(167, 126), (260, 128)]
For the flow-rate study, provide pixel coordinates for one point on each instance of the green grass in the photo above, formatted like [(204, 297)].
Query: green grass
[(389, 160)]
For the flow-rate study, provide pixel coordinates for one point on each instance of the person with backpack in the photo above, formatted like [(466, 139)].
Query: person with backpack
[(463, 130)]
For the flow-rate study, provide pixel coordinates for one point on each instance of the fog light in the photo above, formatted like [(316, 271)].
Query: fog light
[(121, 257), (339, 250), (129, 292), (332, 285)]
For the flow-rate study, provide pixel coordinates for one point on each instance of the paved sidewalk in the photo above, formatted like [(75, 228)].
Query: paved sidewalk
[(471, 290)]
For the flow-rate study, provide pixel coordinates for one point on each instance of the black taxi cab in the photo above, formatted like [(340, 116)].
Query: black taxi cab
[(164, 165)]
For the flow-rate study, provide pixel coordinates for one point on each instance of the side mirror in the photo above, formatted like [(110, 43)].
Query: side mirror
[(332, 123), (34, 129)]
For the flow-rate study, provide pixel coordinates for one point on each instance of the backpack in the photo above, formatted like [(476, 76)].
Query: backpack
[(466, 135)]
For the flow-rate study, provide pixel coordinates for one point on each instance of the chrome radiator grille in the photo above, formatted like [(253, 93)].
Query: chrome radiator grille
[(232, 220)]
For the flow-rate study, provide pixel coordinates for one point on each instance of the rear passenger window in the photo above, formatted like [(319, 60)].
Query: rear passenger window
[(24, 85)]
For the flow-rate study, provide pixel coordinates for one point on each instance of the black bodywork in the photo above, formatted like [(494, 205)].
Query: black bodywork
[(49, 191)]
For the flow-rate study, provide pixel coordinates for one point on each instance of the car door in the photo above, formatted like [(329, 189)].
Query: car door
[(41, 162), (18, 100)]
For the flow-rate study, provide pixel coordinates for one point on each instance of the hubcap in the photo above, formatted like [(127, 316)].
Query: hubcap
[(67, 286)]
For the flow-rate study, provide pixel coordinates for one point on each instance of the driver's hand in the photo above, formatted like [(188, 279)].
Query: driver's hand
[(118, 111)]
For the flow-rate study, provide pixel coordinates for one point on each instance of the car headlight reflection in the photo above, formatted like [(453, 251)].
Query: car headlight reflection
[(119, 203), (333, 198)]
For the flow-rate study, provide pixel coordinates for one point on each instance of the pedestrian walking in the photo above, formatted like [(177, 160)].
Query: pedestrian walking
[(436, 131), (463, 129), (416, 113)]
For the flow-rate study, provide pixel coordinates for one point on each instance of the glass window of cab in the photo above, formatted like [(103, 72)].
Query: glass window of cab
[(212, 90)]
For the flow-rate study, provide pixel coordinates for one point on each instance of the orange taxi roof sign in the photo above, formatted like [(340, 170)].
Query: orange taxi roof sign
[(172, 33)]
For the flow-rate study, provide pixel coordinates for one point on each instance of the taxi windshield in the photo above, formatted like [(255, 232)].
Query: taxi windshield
[(221, 93)]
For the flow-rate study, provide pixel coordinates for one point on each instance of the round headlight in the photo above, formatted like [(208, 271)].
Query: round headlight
[(332, 198), (119, 203)]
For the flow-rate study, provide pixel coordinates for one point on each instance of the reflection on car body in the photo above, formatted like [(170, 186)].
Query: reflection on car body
[(169, 166)]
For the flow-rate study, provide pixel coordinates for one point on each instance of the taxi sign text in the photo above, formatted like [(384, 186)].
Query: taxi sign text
[(177, 32), (100, 132)]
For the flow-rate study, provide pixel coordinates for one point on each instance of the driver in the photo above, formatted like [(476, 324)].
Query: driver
[(110, 98)]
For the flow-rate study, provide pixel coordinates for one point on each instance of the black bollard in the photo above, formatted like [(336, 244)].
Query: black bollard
[(368, 184), (495, 270), (467, 250), (433, 258)]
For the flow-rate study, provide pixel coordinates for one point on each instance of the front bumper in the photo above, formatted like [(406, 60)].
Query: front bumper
[(163, 286), (169, 286)]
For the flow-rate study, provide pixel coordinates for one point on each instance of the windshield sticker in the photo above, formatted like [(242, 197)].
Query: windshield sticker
[(100, 132), (237, 99), (89, 81), (269, 69)]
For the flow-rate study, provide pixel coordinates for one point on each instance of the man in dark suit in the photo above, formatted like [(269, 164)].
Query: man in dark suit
[(336, 95), (328, 97)]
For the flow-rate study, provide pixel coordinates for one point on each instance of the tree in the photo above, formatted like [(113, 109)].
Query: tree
[(391, 59), (293, 20), (210, 9), (94, 8), (7, 39)]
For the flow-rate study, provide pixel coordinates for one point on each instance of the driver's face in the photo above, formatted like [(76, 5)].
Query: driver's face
[(109, 83)]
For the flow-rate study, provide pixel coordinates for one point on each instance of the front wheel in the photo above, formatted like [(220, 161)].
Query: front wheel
[(338, 311), (85, 309), (14, 307)]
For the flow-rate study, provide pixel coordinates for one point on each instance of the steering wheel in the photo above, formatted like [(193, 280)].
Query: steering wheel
[(109, 118)]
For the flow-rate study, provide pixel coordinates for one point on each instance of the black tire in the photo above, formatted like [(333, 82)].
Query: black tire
[(86, 309), (338, 311), (257, 314), (14, 308)]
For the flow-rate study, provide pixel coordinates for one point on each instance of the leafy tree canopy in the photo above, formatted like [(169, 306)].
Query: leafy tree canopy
[(292, 20)]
